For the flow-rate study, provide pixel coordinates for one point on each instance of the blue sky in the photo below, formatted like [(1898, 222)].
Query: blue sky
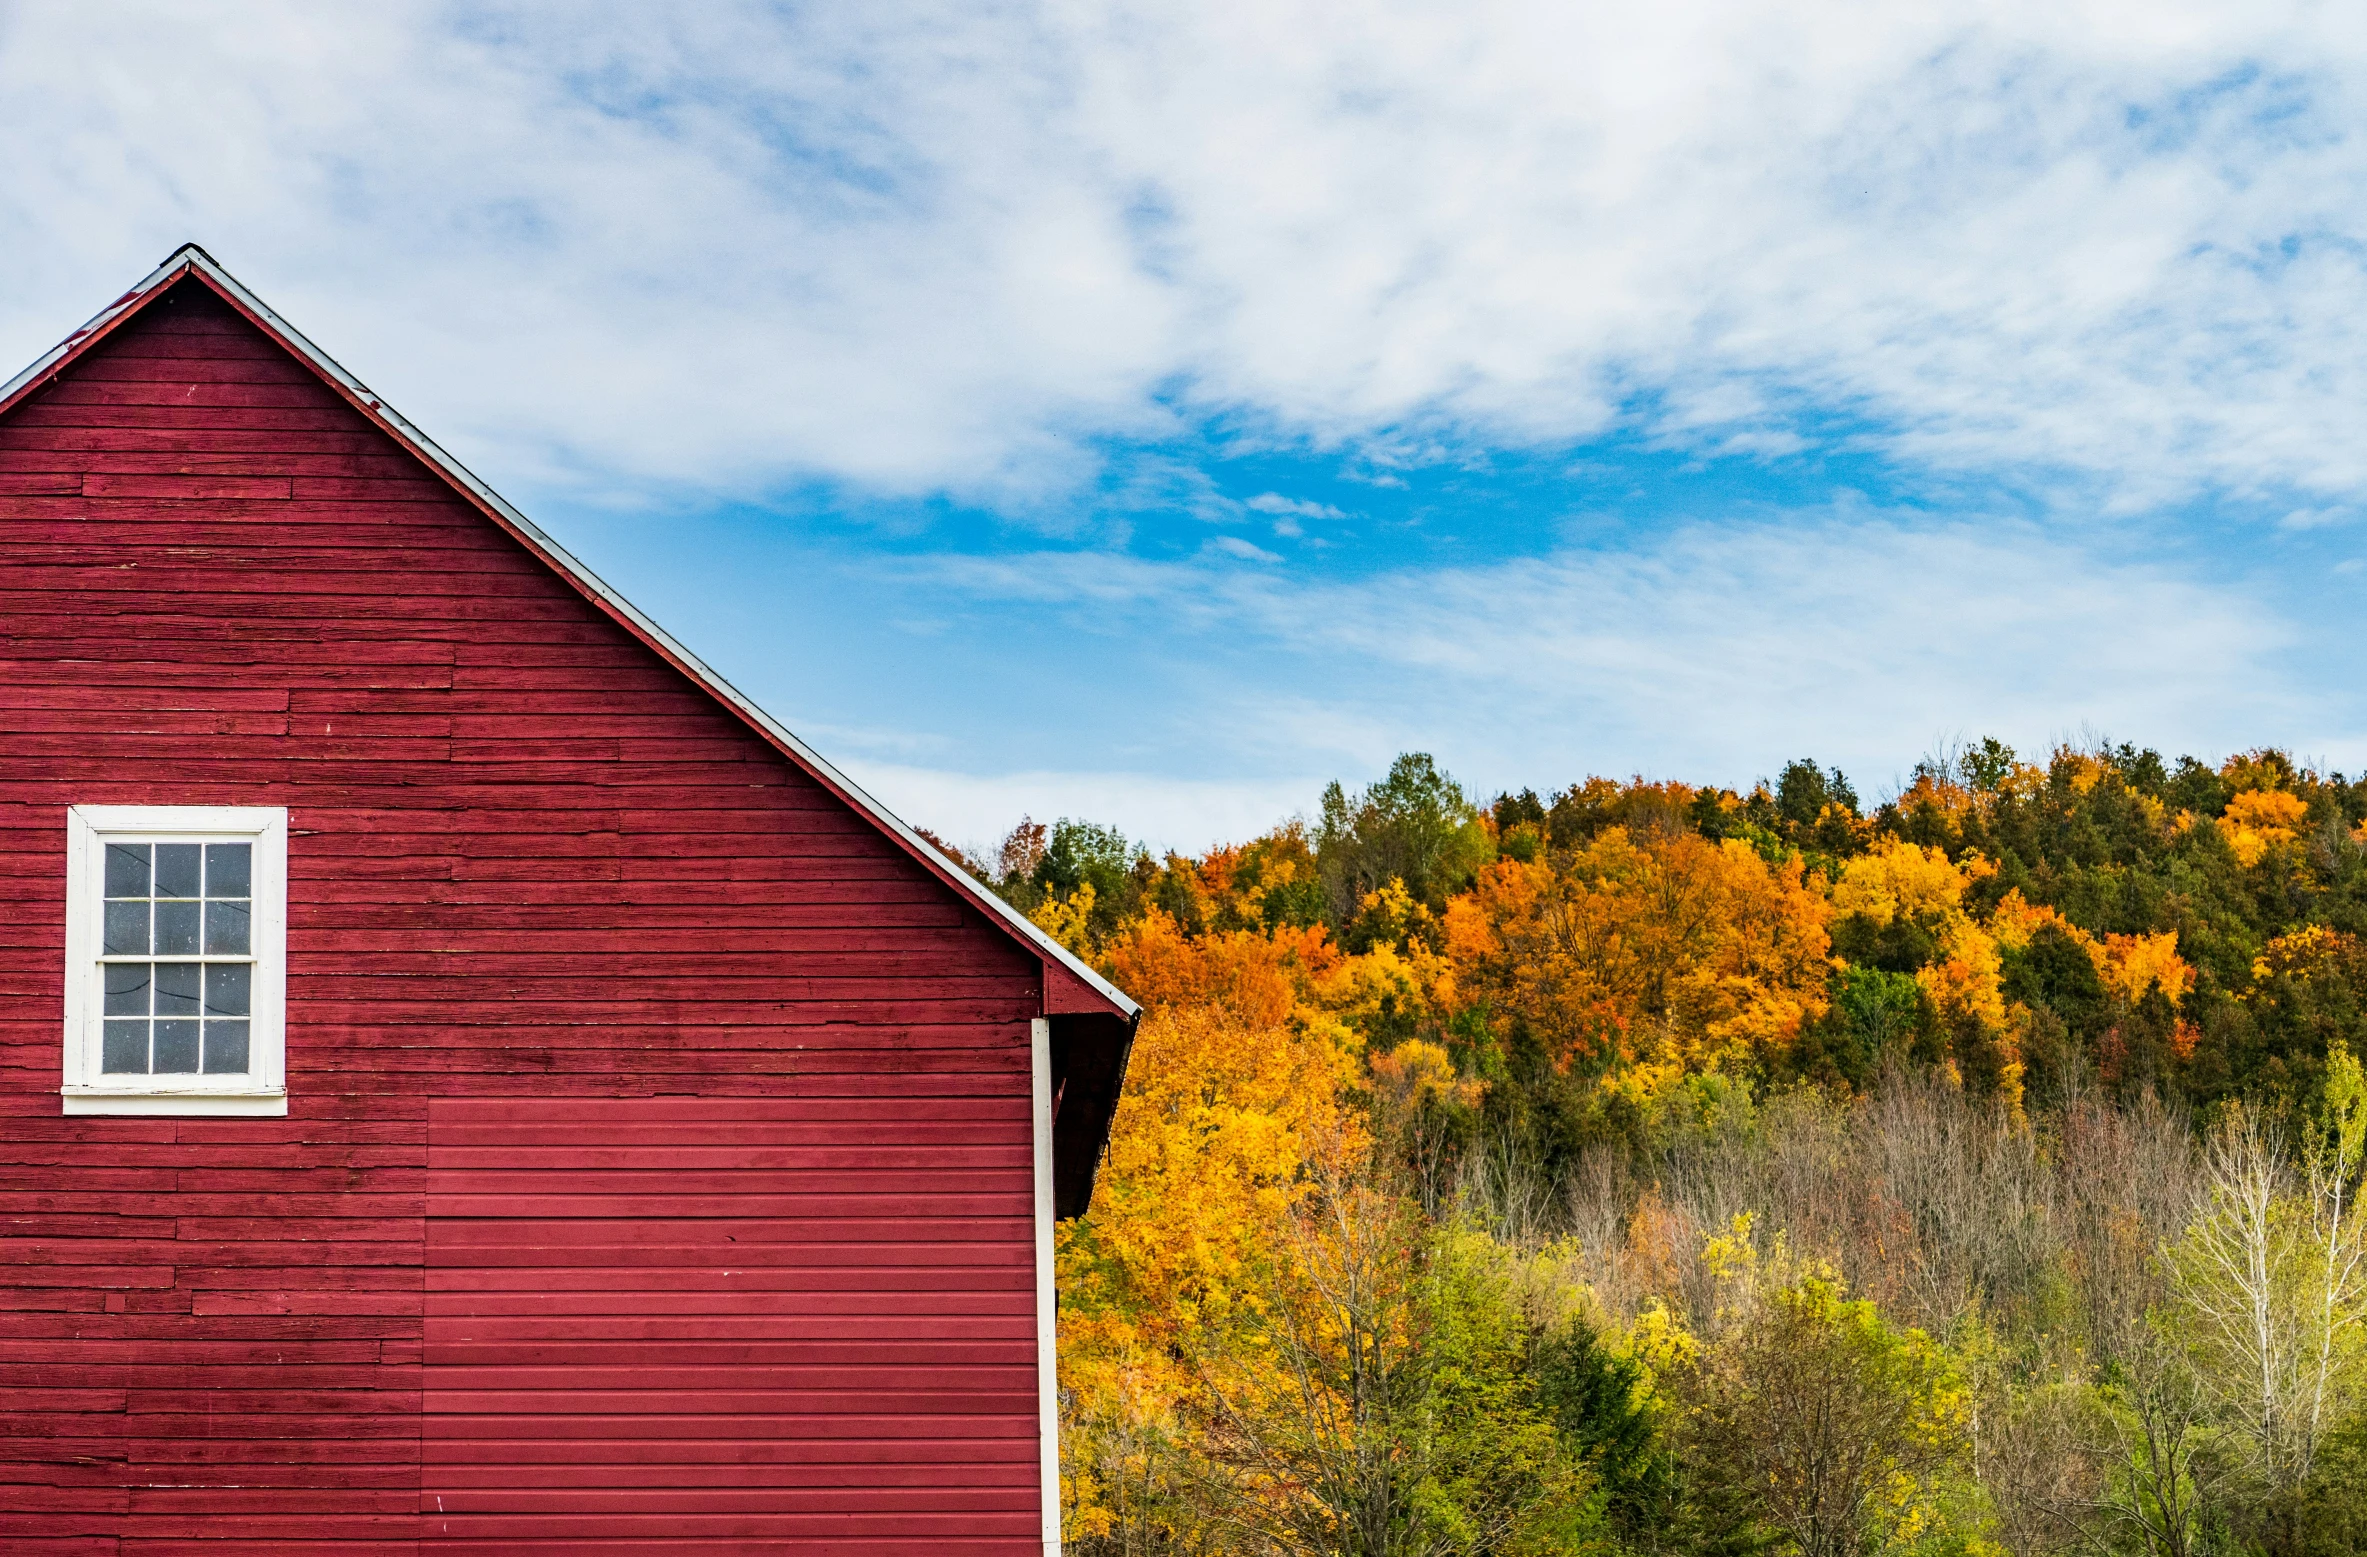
[(1151, 412)]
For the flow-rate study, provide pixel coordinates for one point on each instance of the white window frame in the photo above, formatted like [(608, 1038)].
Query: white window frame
[(263, 1089)]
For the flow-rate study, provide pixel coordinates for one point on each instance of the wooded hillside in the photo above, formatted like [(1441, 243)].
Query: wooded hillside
[(1649, 1168)]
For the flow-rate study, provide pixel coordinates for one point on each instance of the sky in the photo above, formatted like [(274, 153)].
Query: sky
[(1149, 413)]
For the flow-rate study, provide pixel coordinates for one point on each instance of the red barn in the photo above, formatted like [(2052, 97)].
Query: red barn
[(511, 1095)]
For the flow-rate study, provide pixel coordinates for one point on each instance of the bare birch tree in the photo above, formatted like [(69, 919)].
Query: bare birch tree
[(2270, 1283)]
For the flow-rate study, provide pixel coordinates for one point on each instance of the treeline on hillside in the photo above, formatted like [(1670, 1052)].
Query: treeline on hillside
[(1658, 1169)]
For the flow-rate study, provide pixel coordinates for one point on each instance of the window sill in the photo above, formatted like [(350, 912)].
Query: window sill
[(218, 1104)]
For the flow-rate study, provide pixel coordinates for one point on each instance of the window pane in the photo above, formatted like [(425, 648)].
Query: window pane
[(123, 1050), (127, 988), (226, 988), (127, 870), (225, 929), (176, 929), (177, 988), (228, 869), (127, 929), (176, 1049), (164, 1012), (176, 869), (226, 1048)]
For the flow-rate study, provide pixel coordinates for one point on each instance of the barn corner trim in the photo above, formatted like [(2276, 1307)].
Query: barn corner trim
[(1071, 987)]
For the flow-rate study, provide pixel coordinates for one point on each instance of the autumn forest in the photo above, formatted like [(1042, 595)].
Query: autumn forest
[(1641, 1168)]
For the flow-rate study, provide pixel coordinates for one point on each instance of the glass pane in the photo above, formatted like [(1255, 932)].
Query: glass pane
[(227, 870), (176, 988), (226, 988), (124, 1049), (176, 1049), (127, 929), (127, 989), (225, 1048), (176, 929), (127, 870), (176, 869), (225, 929)]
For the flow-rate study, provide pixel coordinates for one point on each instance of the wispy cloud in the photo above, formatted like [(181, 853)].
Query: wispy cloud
[(1713, 652), (1292, 507)]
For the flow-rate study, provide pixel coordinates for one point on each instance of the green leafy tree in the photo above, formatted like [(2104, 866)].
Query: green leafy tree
[(1876, 1016), (2158, 1495), (1803, 790), (1416, 827), (1380, 1401), (1083, 855), (2329, 1512), (1600, 1402), (1984, 767), (1848, 1435)]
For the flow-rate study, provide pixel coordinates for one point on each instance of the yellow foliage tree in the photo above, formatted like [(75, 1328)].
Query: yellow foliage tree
[(2128, 965), (2259, 821), (1897, 880), (1065, 919), (1966, 987), (2312, 949), (2016, 919), (1386, 986), (1206, 1153), (2131, 965), (1247, 886), (1846, 1434)]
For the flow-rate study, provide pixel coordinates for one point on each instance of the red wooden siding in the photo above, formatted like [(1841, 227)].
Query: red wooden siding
[(741, 1318), (528, 860)]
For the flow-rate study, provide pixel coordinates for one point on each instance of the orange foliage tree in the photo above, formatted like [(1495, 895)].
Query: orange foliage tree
[(1660, 948), (1257, 976)]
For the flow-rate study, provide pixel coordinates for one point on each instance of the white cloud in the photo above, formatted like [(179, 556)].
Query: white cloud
[(955, 246), (1292, 507), (1715, 653)]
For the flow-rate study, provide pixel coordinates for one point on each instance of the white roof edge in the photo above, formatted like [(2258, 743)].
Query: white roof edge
[(173, 264), (190, 257)]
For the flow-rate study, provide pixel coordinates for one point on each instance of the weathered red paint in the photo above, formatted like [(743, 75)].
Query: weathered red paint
[(656, 1174)]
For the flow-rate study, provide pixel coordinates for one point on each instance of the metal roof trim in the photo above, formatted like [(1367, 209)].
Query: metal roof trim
[(190, 258), (102, 321)]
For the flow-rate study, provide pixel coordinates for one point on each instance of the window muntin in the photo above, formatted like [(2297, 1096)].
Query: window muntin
[(177, 959), (175, 937)]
